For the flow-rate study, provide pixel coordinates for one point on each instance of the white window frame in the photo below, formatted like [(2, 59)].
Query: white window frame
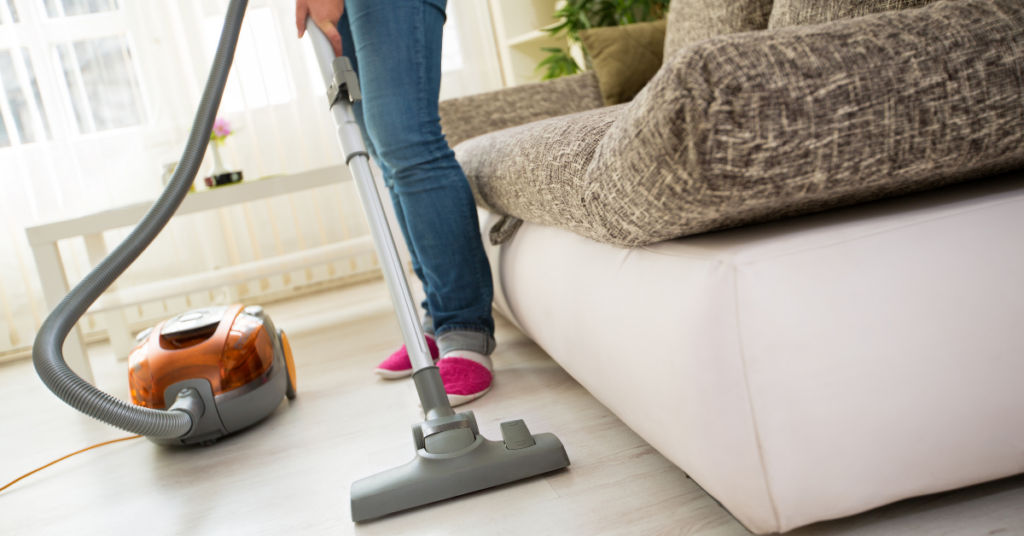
[(40, 35)]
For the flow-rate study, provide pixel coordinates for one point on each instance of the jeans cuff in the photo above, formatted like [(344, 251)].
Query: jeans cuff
[(470, 340)]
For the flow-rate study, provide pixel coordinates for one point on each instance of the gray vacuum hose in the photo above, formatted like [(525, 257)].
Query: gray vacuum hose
[(46, 353)]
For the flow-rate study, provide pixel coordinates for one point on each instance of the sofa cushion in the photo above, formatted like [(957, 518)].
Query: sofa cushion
[(692, 21), (537, 171), (625, 57), (763, 125), (467, 117), (800, 12)]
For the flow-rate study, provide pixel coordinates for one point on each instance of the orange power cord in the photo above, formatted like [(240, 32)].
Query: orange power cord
[(13, 482)]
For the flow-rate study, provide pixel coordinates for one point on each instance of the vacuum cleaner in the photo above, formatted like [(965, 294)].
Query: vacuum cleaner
[(230, 359), (208, 373)]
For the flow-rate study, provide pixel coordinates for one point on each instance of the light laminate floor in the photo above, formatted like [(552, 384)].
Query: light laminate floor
[(291, 473)]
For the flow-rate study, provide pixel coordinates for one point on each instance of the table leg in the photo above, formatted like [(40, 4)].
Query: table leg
[(121, 340), (55, 287)]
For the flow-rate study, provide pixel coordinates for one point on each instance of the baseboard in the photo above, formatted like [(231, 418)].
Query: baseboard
[(298, 291)]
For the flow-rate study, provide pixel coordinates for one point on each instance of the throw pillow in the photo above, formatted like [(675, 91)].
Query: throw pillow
[(693, 21), (799, 12), (625, 57)]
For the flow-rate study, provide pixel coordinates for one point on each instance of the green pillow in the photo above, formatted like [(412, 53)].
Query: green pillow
[(625, 57)]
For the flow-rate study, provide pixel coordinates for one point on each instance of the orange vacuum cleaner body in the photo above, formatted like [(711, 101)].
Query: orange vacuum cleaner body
[(233, 356)]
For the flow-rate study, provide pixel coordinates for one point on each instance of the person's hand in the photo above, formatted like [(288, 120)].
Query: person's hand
[(325, 14)]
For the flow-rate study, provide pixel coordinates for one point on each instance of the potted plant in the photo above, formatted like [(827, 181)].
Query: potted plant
[(576, 15)]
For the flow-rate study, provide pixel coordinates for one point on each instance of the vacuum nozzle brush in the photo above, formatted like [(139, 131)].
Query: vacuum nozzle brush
[(435, 476)]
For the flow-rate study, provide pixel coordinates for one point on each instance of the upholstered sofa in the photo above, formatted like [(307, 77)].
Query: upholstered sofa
[(792, 263)]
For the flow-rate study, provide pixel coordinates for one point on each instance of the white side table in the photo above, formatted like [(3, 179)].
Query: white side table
[(43, 239)]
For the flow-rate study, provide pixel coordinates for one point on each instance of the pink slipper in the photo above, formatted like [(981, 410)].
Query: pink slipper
[(398, 365), (464, 380)]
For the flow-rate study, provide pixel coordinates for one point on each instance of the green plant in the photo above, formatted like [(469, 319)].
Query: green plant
[(576, 15), (558, 63)]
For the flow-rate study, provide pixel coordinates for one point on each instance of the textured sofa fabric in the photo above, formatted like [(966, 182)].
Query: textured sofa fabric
[(625, 57), (538, 172), (800, 12), (692, 21), (763, 125), (467, 117)]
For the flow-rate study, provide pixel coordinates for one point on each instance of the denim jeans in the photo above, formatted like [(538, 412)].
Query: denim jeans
[(395, 46)]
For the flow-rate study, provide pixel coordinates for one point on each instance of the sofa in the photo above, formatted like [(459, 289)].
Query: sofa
[(792, 262)]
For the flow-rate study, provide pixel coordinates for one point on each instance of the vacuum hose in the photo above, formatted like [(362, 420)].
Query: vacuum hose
[(47, 351)]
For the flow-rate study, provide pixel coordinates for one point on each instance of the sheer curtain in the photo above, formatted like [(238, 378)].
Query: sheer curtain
[(96, 98)]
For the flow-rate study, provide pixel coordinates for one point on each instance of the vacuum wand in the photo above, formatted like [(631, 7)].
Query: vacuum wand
[(342, 92), (452, 457)]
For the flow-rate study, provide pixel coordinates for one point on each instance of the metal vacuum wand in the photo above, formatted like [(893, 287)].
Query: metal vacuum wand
[(342, 91), (452, 457)]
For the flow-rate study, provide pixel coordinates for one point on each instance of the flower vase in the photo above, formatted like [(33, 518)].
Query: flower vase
[(218, 163)]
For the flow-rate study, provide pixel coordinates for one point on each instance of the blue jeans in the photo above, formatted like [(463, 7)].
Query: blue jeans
[(395, 46)]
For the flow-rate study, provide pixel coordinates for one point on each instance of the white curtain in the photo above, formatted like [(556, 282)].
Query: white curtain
[(98, 96)]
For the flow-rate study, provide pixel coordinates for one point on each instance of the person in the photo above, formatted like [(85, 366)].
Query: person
[(395, 47)]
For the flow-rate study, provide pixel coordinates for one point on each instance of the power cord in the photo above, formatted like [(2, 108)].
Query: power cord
[(68, 456)]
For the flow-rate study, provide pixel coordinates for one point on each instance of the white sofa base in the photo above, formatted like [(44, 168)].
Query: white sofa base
[(806, 369)]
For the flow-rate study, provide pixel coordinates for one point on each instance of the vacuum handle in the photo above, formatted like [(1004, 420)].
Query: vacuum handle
[(351, 140)]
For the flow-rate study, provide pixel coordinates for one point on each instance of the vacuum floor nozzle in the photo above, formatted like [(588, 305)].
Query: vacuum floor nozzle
[(430, 478)]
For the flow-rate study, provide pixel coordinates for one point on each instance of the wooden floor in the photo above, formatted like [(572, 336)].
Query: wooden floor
[(291, 473)]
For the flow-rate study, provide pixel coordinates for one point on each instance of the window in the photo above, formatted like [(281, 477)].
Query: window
[(22, 115), (258, 76), (71, 8), (99, 76), (11, 16), (90, 83)]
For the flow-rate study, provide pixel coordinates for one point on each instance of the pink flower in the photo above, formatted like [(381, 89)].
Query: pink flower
[(221, 128)]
